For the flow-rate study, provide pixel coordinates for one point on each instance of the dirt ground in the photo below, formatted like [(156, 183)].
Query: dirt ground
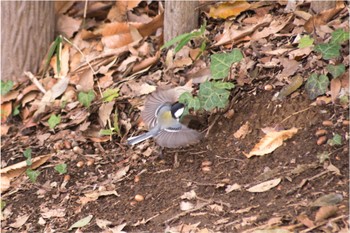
[(54, 203)]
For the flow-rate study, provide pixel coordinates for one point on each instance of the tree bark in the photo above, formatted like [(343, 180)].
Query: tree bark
[(180, 17), (319, 6), (27, 29)]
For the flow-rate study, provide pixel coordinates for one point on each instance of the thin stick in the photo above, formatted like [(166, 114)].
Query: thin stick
[(35, 81), (295, 114)]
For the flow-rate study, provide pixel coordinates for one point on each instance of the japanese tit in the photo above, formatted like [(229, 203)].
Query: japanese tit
[(161, 114)]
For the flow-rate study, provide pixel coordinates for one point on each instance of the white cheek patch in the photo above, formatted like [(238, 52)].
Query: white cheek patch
[(179, 112)]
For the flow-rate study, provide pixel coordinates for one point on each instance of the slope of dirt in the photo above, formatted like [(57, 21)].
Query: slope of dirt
[(163, 179)]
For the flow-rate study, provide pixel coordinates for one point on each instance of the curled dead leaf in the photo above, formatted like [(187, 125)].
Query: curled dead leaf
[(271, 141), (264, 186)]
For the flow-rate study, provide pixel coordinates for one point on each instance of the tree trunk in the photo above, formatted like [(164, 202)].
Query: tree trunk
[(27, 29), (319, 6), (180, 17)]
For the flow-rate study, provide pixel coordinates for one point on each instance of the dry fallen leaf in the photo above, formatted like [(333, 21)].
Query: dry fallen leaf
[(271, 141), (228, 9), (264, 186), (20, 221), (105, 111), (67, 25), (242, 131), (304, 219), (18, 168), (335, 88)]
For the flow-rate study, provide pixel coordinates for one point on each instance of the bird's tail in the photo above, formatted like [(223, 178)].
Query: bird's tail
[(137, 139)]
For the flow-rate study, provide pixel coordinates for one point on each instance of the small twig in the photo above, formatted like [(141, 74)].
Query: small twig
[(76, 47), (35, 81), (323, 223), (212, 125), (295, 114), (199, 206)]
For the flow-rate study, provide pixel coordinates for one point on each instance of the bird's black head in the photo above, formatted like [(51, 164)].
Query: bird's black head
[(177, 109)]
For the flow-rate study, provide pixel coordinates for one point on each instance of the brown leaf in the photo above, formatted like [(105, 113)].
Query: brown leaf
[(6, 110), (146, 63), (86, 82), (304, 219), (232, 35), (242, 131), (9, 96), (20, 221), (271, 141), (228, 9), (19, 168), (264, 186), (67, 25), (335, 88), (104, 112), (325, 212), (275, 26), (323, 17)]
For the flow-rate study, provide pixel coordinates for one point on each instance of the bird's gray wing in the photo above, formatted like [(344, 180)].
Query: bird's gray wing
[(177, 137), (154, 101)]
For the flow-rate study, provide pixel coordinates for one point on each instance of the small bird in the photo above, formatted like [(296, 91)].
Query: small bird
[(161, 114)]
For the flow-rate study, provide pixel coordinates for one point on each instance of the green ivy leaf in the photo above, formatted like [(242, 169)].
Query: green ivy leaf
[(224, 85), (316, 85), (305, 42), (339, 36), (212, 97), (328, 51), (15, 111), (323, 156), (61, 168), (5, 86), (86, 98), (81, 223), (221, 63), (335, 141), (190, 101), (110, 94), (3, 205), (32, 174), (336, 71), (28, 154), (54, 120)]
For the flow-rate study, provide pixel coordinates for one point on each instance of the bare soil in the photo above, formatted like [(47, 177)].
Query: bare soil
[(162, 178)]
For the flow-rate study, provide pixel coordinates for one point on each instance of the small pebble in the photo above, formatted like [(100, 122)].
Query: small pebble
[(206, 169), (327, 123), (139, 198), (80, 164), (133, 203), (66, 178), (268, 87), (90, 162), (321, 132), (206, 163), (321, 140), (137, 179), (78, 150), (67, 145)]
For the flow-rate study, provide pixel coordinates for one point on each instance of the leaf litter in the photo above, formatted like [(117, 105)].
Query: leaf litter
[(122, 54)]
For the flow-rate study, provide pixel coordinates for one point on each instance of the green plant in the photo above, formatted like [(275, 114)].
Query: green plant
[(214, 93), (54, 120), (183, 39), (32, 174), (335, 141), (5, 86), (317, 85), (85, 98), (112, 130), (61, 168), (110, 94)]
